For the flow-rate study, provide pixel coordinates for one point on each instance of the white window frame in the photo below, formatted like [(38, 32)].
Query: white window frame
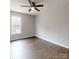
[(15, 22)]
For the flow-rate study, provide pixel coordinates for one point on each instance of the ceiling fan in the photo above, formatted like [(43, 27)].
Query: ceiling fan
[(32, 6)]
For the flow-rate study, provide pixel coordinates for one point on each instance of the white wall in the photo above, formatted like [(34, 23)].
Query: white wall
[(53, 21), (28, 26)]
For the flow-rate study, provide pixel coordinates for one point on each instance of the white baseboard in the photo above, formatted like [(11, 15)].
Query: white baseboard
[(53, 42), (11, 39)]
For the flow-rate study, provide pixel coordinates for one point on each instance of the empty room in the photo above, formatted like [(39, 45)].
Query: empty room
[(39, 29)]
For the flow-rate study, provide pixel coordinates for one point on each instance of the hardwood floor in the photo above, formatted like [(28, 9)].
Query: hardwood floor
[(35, 48)]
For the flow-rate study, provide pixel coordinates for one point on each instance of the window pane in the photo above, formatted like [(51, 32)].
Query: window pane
[(15, 24)]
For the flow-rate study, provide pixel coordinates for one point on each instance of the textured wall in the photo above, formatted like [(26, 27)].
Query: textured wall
[(53, 21)]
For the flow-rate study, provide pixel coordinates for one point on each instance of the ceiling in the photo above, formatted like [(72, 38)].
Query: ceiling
[(15, 5)]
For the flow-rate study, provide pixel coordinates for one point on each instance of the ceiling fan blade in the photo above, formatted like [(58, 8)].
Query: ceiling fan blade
[(33, 3), (25, 6), (37, 9), (29, 1), (39, 5), (29, 9)]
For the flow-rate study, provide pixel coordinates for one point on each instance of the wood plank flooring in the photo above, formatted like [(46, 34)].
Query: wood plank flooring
[(36, 48)]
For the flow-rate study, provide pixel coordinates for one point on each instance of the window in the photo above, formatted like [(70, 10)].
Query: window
[(15, 24)]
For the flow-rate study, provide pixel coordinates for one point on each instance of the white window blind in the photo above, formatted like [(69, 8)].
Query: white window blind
[(15, 24)]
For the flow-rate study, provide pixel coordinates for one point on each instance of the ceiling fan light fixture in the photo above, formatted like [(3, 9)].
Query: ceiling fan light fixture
[(32, 8)]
